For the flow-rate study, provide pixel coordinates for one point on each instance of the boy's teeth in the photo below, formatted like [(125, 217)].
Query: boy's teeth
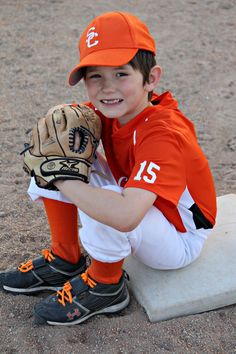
[(111, 101)]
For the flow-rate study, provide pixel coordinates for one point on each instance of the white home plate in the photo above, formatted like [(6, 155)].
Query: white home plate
[(207, 284)]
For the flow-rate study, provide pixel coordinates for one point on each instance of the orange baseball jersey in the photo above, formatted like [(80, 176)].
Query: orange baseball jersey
[(158, 151)]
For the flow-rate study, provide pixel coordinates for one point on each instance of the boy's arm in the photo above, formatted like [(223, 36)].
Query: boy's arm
[(121, 211)]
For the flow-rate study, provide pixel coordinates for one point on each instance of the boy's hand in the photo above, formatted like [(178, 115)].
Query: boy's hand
[(63, 145)]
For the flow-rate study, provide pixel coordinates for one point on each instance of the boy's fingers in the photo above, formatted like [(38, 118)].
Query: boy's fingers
[(59, 106), (59, 120), (41, 133), (72, 118)]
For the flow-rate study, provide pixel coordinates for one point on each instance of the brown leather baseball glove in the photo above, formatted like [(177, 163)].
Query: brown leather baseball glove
[(63, 145)]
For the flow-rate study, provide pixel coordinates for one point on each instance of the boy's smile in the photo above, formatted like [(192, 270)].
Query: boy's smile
[(112, 101), (117, 92)]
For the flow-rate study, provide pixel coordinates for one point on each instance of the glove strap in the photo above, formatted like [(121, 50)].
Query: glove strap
[(66, 168)]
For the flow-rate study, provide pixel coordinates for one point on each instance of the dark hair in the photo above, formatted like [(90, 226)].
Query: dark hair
[(143, 61)]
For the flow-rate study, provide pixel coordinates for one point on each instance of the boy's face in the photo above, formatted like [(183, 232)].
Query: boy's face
[(117, 92)]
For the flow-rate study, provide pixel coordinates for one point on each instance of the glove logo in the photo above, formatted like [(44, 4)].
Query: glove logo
[(90, 37), (69, 166), (51, 165)]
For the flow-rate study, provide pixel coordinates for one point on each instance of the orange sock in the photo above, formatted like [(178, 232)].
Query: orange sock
[(63, 222), (107, 273)]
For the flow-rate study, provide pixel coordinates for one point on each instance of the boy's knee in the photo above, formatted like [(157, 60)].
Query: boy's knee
[(103, 242)]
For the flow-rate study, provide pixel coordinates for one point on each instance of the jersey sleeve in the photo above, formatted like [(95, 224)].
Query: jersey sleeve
[(159, 164)]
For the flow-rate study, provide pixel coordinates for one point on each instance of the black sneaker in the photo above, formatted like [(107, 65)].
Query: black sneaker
[(48, 272), (80, 299)]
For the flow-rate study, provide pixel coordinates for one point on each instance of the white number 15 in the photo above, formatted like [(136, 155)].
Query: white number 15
[(150, 171)]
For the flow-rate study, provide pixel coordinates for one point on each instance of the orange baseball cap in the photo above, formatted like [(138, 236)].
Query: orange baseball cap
[(111, 39)]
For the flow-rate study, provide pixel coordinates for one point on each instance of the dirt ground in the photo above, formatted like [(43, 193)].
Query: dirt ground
[(38, 48)]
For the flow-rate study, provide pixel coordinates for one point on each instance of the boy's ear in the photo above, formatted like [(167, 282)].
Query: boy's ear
[(154, 78)]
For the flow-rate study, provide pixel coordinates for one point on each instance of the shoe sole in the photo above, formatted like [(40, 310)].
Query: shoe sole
[(38, 320), (29, 291)]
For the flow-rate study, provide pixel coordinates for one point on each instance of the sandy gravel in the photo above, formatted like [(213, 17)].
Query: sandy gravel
[(196, 48)]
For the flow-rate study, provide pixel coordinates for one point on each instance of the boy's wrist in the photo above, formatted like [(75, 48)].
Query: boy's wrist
[(63, 182)]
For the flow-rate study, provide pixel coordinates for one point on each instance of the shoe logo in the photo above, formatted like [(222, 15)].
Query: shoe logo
[(73, 314), (90, 37)]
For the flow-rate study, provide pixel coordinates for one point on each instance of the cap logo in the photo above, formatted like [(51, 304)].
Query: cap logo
[(91, 35)]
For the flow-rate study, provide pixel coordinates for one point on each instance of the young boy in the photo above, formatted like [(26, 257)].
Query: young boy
[(157, 201)]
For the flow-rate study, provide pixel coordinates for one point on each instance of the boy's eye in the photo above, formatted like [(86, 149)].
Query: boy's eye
[(121, 74), (94, 76)]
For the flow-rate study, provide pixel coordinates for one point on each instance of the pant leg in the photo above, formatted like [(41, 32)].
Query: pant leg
[(160, 246), (155, 242)]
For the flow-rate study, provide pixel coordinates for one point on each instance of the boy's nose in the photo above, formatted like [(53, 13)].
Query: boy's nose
[(108, 86)]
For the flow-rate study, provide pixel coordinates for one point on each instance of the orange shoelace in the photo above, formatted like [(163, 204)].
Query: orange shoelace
[(65, 294), (26, 267)]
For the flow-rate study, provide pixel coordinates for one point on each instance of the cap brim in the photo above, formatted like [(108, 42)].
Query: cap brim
[(108, 57)]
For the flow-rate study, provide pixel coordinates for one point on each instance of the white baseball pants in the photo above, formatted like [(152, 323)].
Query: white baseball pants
[(155, 241)]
